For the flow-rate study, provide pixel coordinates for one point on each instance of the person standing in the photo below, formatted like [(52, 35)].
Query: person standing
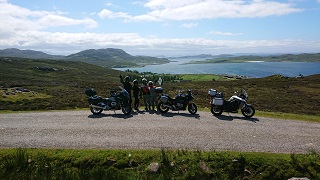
[(145, 93), (136, 92), (127, 85), (153, 96)]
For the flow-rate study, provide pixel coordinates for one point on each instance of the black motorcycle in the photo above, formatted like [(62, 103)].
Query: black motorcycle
[(236, 102), (116, 101), (180, 102)]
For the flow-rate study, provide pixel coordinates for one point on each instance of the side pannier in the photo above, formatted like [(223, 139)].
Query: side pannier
[(90, 92)]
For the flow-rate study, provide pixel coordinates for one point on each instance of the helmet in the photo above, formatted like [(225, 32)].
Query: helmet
[(150, 83), (127, 78), (144, 80), (135, 81)]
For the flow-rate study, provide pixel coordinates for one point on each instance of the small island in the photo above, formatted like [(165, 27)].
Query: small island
[(306, 57)]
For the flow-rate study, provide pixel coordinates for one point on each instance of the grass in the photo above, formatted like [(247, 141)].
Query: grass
[(173, 164), (63, 88), (200, 77), (280, 115), (13, 96)]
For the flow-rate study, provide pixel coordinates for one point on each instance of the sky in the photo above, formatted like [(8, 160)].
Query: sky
[(162, 27)]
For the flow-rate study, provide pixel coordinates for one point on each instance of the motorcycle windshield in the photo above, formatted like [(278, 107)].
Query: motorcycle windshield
[(245, 93), (125, 92)]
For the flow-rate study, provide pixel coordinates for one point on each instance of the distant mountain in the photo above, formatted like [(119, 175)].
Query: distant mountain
[(108, 57), (13, 52), (111, 57)]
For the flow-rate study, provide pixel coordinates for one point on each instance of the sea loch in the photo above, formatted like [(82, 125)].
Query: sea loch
[(250, 69)]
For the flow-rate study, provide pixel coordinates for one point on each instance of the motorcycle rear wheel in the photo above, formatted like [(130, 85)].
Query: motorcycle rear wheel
[(95, 111), (192, 108), (248, 111), (216, 110), (161, 108)]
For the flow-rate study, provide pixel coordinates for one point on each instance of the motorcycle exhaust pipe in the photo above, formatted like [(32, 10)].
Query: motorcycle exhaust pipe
[(167, 106), (97, 107)]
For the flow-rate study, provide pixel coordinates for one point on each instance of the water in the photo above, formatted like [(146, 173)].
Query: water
[(250, 69)]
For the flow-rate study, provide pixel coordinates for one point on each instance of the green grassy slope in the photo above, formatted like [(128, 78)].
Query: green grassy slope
[(61, 84), (63, 81), (274, 93)]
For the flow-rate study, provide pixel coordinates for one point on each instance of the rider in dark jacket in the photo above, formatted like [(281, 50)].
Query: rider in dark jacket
[(136, 92), (127, 85), (145, 93)]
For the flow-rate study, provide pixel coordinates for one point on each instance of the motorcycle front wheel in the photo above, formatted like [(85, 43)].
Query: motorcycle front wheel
[(192, 108), (216, 110), (95, 111), (126, 108), (161, 108), (248, 111)]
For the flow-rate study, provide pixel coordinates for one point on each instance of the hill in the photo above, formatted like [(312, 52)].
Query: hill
[(56, 84), (306, 57), (13, 52), (111, 57), (108, 57)]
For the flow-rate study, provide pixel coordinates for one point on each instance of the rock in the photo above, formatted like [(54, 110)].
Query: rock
[(204, 167), (110, 162), (153, 167)]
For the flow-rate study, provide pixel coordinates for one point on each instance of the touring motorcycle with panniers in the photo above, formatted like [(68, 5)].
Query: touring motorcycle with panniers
[(182, 101), (116, 101), (233, 104)]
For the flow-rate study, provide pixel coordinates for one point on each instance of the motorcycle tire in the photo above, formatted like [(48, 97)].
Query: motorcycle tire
[(161, 108), (95, 111), (248, 111), (216, 110), (192, 108), (126, 108)]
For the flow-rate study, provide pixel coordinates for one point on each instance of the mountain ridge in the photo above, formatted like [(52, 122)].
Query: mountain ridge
[(108, 57)]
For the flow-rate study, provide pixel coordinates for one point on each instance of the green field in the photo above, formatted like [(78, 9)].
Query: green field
[(172, 164)]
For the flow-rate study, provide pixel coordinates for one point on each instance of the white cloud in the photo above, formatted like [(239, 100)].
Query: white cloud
[(68, 43), (16, 18), (168, 4), (224, 33), (25, 29), (189, 25), (206, 9), (105, 13)]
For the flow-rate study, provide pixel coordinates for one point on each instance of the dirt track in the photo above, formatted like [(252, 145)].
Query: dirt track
[(144, 130)]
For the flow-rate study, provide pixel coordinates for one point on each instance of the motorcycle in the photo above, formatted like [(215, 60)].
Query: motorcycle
[(116, 101), (180, 102), (236, 102)]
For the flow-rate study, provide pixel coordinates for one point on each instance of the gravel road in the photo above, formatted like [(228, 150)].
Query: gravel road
[(144, 130)]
